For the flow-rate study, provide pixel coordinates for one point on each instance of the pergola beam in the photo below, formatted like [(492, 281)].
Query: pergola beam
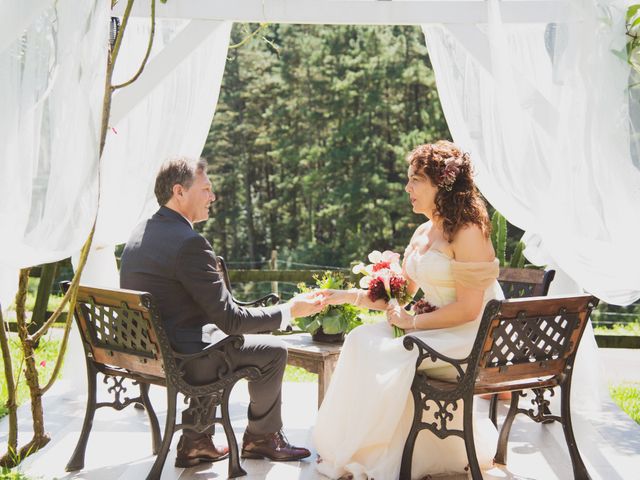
[(357, 12), (187, 40)]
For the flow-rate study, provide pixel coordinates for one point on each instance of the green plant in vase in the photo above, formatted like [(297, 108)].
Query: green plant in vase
[(334, 321)]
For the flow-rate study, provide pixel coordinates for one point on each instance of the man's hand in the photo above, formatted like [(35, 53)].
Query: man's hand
[(338, 297), (305, 304)]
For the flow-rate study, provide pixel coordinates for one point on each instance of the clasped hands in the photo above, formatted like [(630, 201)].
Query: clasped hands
[(319, 299)]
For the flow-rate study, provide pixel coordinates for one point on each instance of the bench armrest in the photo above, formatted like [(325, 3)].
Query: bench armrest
[(271, 298), (236, 341), (226, 376), (426, 352)]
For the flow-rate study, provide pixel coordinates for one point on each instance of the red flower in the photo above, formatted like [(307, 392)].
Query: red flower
[(422, 306), (381, 265), (396, 284), (43, 363), (376, 290)]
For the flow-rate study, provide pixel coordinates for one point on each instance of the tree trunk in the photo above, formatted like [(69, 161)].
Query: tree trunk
[(40, 437), (12, 442), (248, 205)]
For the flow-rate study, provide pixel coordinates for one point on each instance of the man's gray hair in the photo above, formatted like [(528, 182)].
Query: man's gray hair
[(177, 171)]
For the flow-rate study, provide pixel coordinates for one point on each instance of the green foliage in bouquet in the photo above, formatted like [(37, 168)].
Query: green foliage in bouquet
[(334, 318)]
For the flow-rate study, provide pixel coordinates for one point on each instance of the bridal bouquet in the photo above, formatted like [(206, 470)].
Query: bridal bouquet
[(383, 279)]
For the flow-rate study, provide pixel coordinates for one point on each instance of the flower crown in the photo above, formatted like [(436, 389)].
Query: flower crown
[(452, 167)]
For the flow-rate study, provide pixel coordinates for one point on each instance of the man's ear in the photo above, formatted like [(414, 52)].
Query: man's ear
[(177, 190)]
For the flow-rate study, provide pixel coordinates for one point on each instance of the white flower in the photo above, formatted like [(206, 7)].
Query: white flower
[(364, 282), (375, 256), (385, 276), (359, 268), (396, 268), (391, 257)]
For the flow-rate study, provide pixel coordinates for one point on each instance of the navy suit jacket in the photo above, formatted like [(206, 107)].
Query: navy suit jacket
[(175, 264)]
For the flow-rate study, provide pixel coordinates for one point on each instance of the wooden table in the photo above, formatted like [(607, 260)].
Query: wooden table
[(315, 357)]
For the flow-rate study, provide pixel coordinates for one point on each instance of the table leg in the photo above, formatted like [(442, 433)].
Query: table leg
[(325, 371)]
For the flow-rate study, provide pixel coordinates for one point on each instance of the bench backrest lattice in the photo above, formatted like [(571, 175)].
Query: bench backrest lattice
[(530, 338), (118, 330)]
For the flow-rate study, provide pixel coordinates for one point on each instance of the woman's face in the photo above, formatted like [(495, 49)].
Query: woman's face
[(422, 192)]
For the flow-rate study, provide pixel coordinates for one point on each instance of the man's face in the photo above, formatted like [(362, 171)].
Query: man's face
[(196, 200)]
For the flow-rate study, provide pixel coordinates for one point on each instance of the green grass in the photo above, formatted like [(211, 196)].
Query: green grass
[(32, 290), (631, 328), (299, 375), (45, 357), (627, 397), (13, 474)]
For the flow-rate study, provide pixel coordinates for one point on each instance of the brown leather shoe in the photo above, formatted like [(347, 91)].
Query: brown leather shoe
[(273, 446), (199, 449)]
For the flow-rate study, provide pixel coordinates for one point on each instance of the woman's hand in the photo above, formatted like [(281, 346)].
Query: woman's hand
[(337, 297), (398, 316)]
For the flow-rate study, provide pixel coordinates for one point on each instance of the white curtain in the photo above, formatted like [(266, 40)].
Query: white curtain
[(52, 69), (544, 110), (166, 112)]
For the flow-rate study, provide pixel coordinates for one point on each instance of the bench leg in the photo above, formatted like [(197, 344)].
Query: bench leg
[(579, 470), (409, 445), (493, 410), (235, 470), (153, 419), (76, 462), (169, 428), (503, 439), (469, 442)]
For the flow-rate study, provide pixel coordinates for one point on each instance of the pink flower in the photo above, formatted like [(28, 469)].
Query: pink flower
[(43, 363), (449, 174)]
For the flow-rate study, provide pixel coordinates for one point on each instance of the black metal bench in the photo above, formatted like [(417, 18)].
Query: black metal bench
[(123, 338), (521, 344)]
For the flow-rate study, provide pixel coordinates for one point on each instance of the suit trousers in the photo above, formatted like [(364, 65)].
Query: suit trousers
[(269, 354)]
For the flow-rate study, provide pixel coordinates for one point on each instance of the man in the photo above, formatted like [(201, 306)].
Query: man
[(168, 259)]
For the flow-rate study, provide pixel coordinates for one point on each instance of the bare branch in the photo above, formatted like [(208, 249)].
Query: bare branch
[(146, 56)]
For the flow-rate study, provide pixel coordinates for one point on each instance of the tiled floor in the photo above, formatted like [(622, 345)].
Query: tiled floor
[(120, 444)]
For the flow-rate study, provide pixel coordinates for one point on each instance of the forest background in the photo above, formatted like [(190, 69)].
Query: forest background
[(308, 146)]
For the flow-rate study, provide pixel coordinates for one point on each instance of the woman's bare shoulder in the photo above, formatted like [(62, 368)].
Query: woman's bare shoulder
[(470, 244)]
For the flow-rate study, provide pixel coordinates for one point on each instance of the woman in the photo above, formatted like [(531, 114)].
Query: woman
[(366, 415)]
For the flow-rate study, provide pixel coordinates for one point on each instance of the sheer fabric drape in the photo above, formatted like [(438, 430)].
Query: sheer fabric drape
[(545, 111), (172, 119), (52, 68)]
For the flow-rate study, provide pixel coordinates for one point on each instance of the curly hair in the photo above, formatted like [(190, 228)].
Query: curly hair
[(458, 201)]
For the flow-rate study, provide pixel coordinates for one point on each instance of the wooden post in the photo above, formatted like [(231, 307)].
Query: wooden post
[(274, 266), (47, 276)]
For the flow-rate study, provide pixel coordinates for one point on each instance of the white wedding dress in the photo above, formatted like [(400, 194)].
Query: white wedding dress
[(366, 414)]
